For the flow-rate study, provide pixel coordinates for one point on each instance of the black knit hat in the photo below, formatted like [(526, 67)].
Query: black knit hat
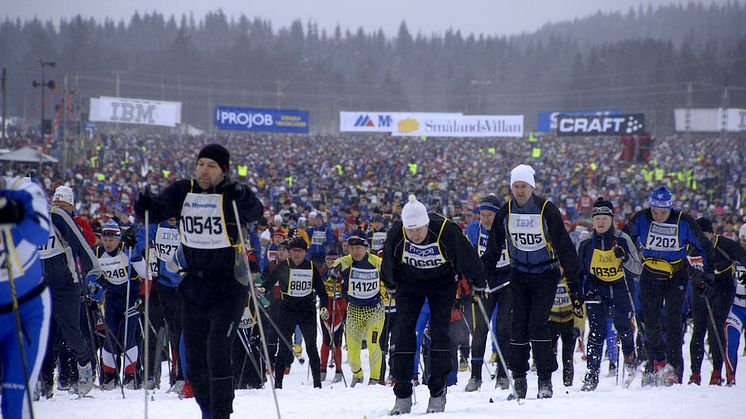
[(299, 243), (705, 224), (602, 207), (218, 153), (490, 202)]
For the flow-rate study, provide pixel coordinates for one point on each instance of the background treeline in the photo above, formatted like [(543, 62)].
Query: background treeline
[(646, 60)]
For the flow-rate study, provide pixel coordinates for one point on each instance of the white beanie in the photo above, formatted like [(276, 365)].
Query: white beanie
[(524, 173), (414, 214), (265, 235), (64, 194)]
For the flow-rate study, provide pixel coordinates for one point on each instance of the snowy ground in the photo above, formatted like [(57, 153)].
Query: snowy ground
[(298, 399)]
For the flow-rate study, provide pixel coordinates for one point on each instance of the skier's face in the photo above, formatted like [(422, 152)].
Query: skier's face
[(521, 191), (297, 255), (486, 217), (660, 215), (358, 252), (208, 173), (602, 223), (110, 242), (417, 235)]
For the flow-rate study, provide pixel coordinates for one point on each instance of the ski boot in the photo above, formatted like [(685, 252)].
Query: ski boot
[(590, 382), (437, 404), (695, 378), (474, 384), (401, 406), (630, 369), (730, 379), (463, 365), (612, 370), (131, 382), (46, 389), (502, 383), (545, 389), (716, 379), (373, 382), (355, 381), (176, 387), (338, 376), (323, 375), (567, 376), (520, 385), (85, 379), (669, 376)]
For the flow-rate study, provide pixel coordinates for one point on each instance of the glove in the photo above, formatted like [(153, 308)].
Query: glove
[(95, 290), (481, 295), (324, 314), (238, 192), (11, 211), (144, 202), (619, 252), (577, 304), (129, 237), (706, 288)]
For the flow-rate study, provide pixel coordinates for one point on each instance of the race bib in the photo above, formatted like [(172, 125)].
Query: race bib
[(379, 237), (422, 257), (526, 232), (663, 237), (114, 268), (561, 297), (300, 283), (202, 224), (363, 283), (52, 247), (318, 238), (166, 242)]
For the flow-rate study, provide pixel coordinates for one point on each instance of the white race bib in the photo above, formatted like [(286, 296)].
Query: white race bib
[(363, 283), (422, 257), (202, 224), (318, 238), (526, 231), (561, 297), (379, 237), (663, 237), (114, 268), (52, 247), (166, 242), (300, 283)]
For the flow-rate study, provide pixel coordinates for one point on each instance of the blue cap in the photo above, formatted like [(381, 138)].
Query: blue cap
[(661, 198), (489, 202), (111, 228)]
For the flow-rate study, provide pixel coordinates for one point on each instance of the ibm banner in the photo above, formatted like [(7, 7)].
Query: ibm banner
[(135, 111), (461, 126), (380, 121), (710, 120), (265, 120), (624, 124), (547, 121)]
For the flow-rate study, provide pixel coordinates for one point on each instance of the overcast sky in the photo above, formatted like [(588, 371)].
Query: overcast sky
[(426, 16)]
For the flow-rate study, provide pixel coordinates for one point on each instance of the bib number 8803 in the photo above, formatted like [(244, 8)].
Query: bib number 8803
[(199, 225)]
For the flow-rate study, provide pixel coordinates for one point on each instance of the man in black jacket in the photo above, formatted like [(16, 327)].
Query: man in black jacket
[(423, 256), (213, 297), (298, 279), (538, 245)]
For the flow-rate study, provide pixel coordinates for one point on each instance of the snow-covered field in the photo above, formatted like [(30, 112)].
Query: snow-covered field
[(299, 399)]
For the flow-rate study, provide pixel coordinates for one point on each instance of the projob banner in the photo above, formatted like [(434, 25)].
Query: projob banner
[(625, 124), (381, 121), (135, 111), (461, 126), (547, 121), (264, 120)]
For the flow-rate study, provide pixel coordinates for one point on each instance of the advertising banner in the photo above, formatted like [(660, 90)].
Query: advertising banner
[(261, 120), (135, 111), (461, 126), (624, 124), (380, 121), (710, 120), (547, 121)]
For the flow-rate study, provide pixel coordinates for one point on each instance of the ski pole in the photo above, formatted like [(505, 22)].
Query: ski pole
[(255, 300), (508, 373), (8, 239), (714, 327), (148, 281), (126, 316)]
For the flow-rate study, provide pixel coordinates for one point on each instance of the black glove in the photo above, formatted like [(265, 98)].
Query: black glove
[(129, 237), (577, 304), (144, 202), (619, 252), (238, 191), (11, 211), (706, 288)]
